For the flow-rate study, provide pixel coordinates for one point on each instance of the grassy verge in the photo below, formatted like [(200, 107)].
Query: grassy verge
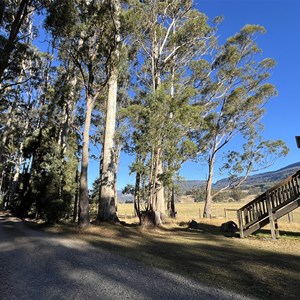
[(257, 266)]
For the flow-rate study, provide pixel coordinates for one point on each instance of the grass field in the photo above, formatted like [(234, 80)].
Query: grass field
[(193, 211)]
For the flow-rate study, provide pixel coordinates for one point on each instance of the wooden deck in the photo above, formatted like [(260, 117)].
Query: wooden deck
[(270, 206)]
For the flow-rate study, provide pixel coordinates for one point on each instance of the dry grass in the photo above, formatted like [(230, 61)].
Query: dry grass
[(189, 211), (256, 266)]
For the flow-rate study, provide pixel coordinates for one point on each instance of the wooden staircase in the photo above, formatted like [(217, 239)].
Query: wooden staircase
[(270, 206)]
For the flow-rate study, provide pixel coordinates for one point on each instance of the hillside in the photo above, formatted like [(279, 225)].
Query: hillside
[(263, 180), (266, 178)]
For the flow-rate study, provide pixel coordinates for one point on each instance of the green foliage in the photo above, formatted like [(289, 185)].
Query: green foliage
[(237, 194), (94, 194), (128, 189), (257, 155), (166, 37), (198, 193), (62, 17), (234, 91), (53, 180)]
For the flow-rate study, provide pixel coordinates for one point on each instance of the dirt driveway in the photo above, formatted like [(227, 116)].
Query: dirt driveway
[(38, 265)]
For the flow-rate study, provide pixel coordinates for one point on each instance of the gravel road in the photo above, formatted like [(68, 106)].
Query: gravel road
[(38, 265)]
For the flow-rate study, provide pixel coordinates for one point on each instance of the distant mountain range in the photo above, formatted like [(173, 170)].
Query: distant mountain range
[(262, 179), (266, 178), (123, 198)]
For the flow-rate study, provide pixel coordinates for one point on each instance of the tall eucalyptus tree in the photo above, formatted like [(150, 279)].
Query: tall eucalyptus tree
[(167, 36), (107, 201)]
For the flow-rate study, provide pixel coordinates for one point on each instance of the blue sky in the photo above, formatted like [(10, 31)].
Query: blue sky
[(281, 42)]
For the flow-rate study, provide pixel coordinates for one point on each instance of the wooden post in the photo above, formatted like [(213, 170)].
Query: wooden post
[(290, 217), (276, 229), (240, 218), (225, 213), (271, 217)]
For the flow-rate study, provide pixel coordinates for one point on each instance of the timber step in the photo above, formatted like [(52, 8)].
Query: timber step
[(268, 207)]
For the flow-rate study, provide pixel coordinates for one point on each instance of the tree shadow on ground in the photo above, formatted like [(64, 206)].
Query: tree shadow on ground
[(217, 260), (205, 255), (213, 257), (58, 269), (202, 228)]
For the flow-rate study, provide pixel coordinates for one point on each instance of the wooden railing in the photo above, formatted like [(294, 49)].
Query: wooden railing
[(270, 206)]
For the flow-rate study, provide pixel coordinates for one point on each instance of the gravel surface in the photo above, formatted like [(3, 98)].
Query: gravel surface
[(38, 265)]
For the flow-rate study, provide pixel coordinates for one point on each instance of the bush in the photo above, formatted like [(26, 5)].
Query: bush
[(237, 194)]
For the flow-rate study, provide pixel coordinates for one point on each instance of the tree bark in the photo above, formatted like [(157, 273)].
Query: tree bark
[(208, 189), (107, 202), (4, 140), (75, 211), (157, 197), (16, 176), (84, 214), (171, 206), (116, 163), (7, 129), (137, 208), (160, 195), (107, 207), (172, 93)]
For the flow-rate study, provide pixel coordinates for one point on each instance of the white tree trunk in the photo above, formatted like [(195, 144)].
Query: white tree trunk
[(107, 208), (209, 198), (18, 167), (160, 195), (158, 199), (107, 205), (6, 132), (84, 215)]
